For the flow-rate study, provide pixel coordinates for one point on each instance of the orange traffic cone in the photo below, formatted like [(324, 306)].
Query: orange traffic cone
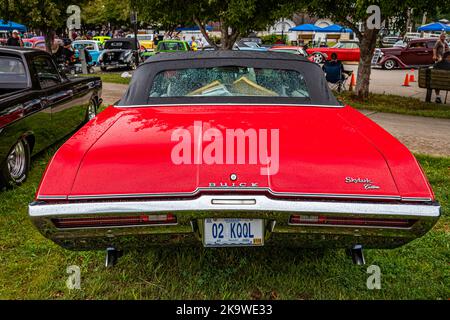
[(352, 82), (411, 77), (406, 82)]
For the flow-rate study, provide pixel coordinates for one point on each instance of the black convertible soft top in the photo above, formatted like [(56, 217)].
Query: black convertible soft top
[(137, 93)]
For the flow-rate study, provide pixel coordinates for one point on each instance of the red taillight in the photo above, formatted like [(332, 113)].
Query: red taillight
[(298, 219), (114, 221)]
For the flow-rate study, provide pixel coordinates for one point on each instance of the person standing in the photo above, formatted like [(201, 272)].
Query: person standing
[(193, 44), (67, 52), (15, 40), (201, 43), (440, 48)]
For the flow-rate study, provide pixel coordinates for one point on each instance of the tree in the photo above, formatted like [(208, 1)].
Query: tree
[(103, 12), (44, 15), (352, 12), (10, 11), (236, 17)]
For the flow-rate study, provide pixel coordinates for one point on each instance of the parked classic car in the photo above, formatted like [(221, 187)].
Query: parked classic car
[(345, 50), (101, 39), (145, 40), (31, 42), (35, 43), (172, 46), (94, 48), (184, 158), (38, 106), (390, 41), (249, 46), (119, 52), (290, 49), (416, 52), (168, 46), (3, 37)]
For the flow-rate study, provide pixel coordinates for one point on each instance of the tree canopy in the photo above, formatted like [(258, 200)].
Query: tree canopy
[(351, 13), (38, 14), (236, 17), (103, 12)]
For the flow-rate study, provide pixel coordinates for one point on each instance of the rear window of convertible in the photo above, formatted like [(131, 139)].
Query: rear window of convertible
[(229, 81)]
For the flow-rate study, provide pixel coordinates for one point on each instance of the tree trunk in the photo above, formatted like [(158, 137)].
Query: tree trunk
[(49, 35), (6, 10), (205, 34), (228, 39), (224, 42), (368, 41)]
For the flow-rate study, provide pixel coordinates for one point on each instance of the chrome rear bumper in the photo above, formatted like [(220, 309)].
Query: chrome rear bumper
[(276, 213)]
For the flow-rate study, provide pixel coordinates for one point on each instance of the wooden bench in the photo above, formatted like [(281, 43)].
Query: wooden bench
[(430, 78)]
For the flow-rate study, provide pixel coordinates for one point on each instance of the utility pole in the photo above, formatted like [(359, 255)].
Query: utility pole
[(424, 18), (82, 55), (133, 21), (424, 21), (409, 14)]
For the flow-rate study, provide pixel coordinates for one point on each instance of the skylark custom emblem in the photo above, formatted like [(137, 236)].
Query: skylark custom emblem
[(366, 182)]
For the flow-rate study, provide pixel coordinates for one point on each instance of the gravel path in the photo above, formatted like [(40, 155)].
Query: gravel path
[(112, 92), (390, 82), (419, 134)]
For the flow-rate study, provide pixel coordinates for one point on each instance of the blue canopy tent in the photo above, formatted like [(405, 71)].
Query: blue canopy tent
[(195, 28), (435, 26), (10, 26), (306, 27), (335, 28)]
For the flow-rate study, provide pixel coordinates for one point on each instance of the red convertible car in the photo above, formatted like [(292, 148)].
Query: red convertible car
[(232, 149), (345, 50)]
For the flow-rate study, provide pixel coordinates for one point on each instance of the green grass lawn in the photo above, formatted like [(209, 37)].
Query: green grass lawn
[(396, 104), (33, 267), (112, 77)]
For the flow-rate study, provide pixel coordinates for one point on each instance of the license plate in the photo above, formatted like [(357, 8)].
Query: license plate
[(233, 232)]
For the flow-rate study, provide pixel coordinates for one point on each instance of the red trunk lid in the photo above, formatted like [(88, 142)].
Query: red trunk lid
[(320, 153)]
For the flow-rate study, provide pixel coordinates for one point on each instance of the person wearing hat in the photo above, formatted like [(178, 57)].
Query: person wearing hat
[(440, 48), (15, 40), (65, 53)]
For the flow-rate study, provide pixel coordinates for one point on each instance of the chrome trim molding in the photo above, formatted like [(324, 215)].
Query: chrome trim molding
[(52, 197), (231, 104), (261, 203), (241, 202), (251, 189), (191, 212)]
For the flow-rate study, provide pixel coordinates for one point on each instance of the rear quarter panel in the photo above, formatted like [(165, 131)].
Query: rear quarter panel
[(68, 158), (410, 180)]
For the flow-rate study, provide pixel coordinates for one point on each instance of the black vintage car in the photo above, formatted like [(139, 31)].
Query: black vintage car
[(39, 105), (119, 52)]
